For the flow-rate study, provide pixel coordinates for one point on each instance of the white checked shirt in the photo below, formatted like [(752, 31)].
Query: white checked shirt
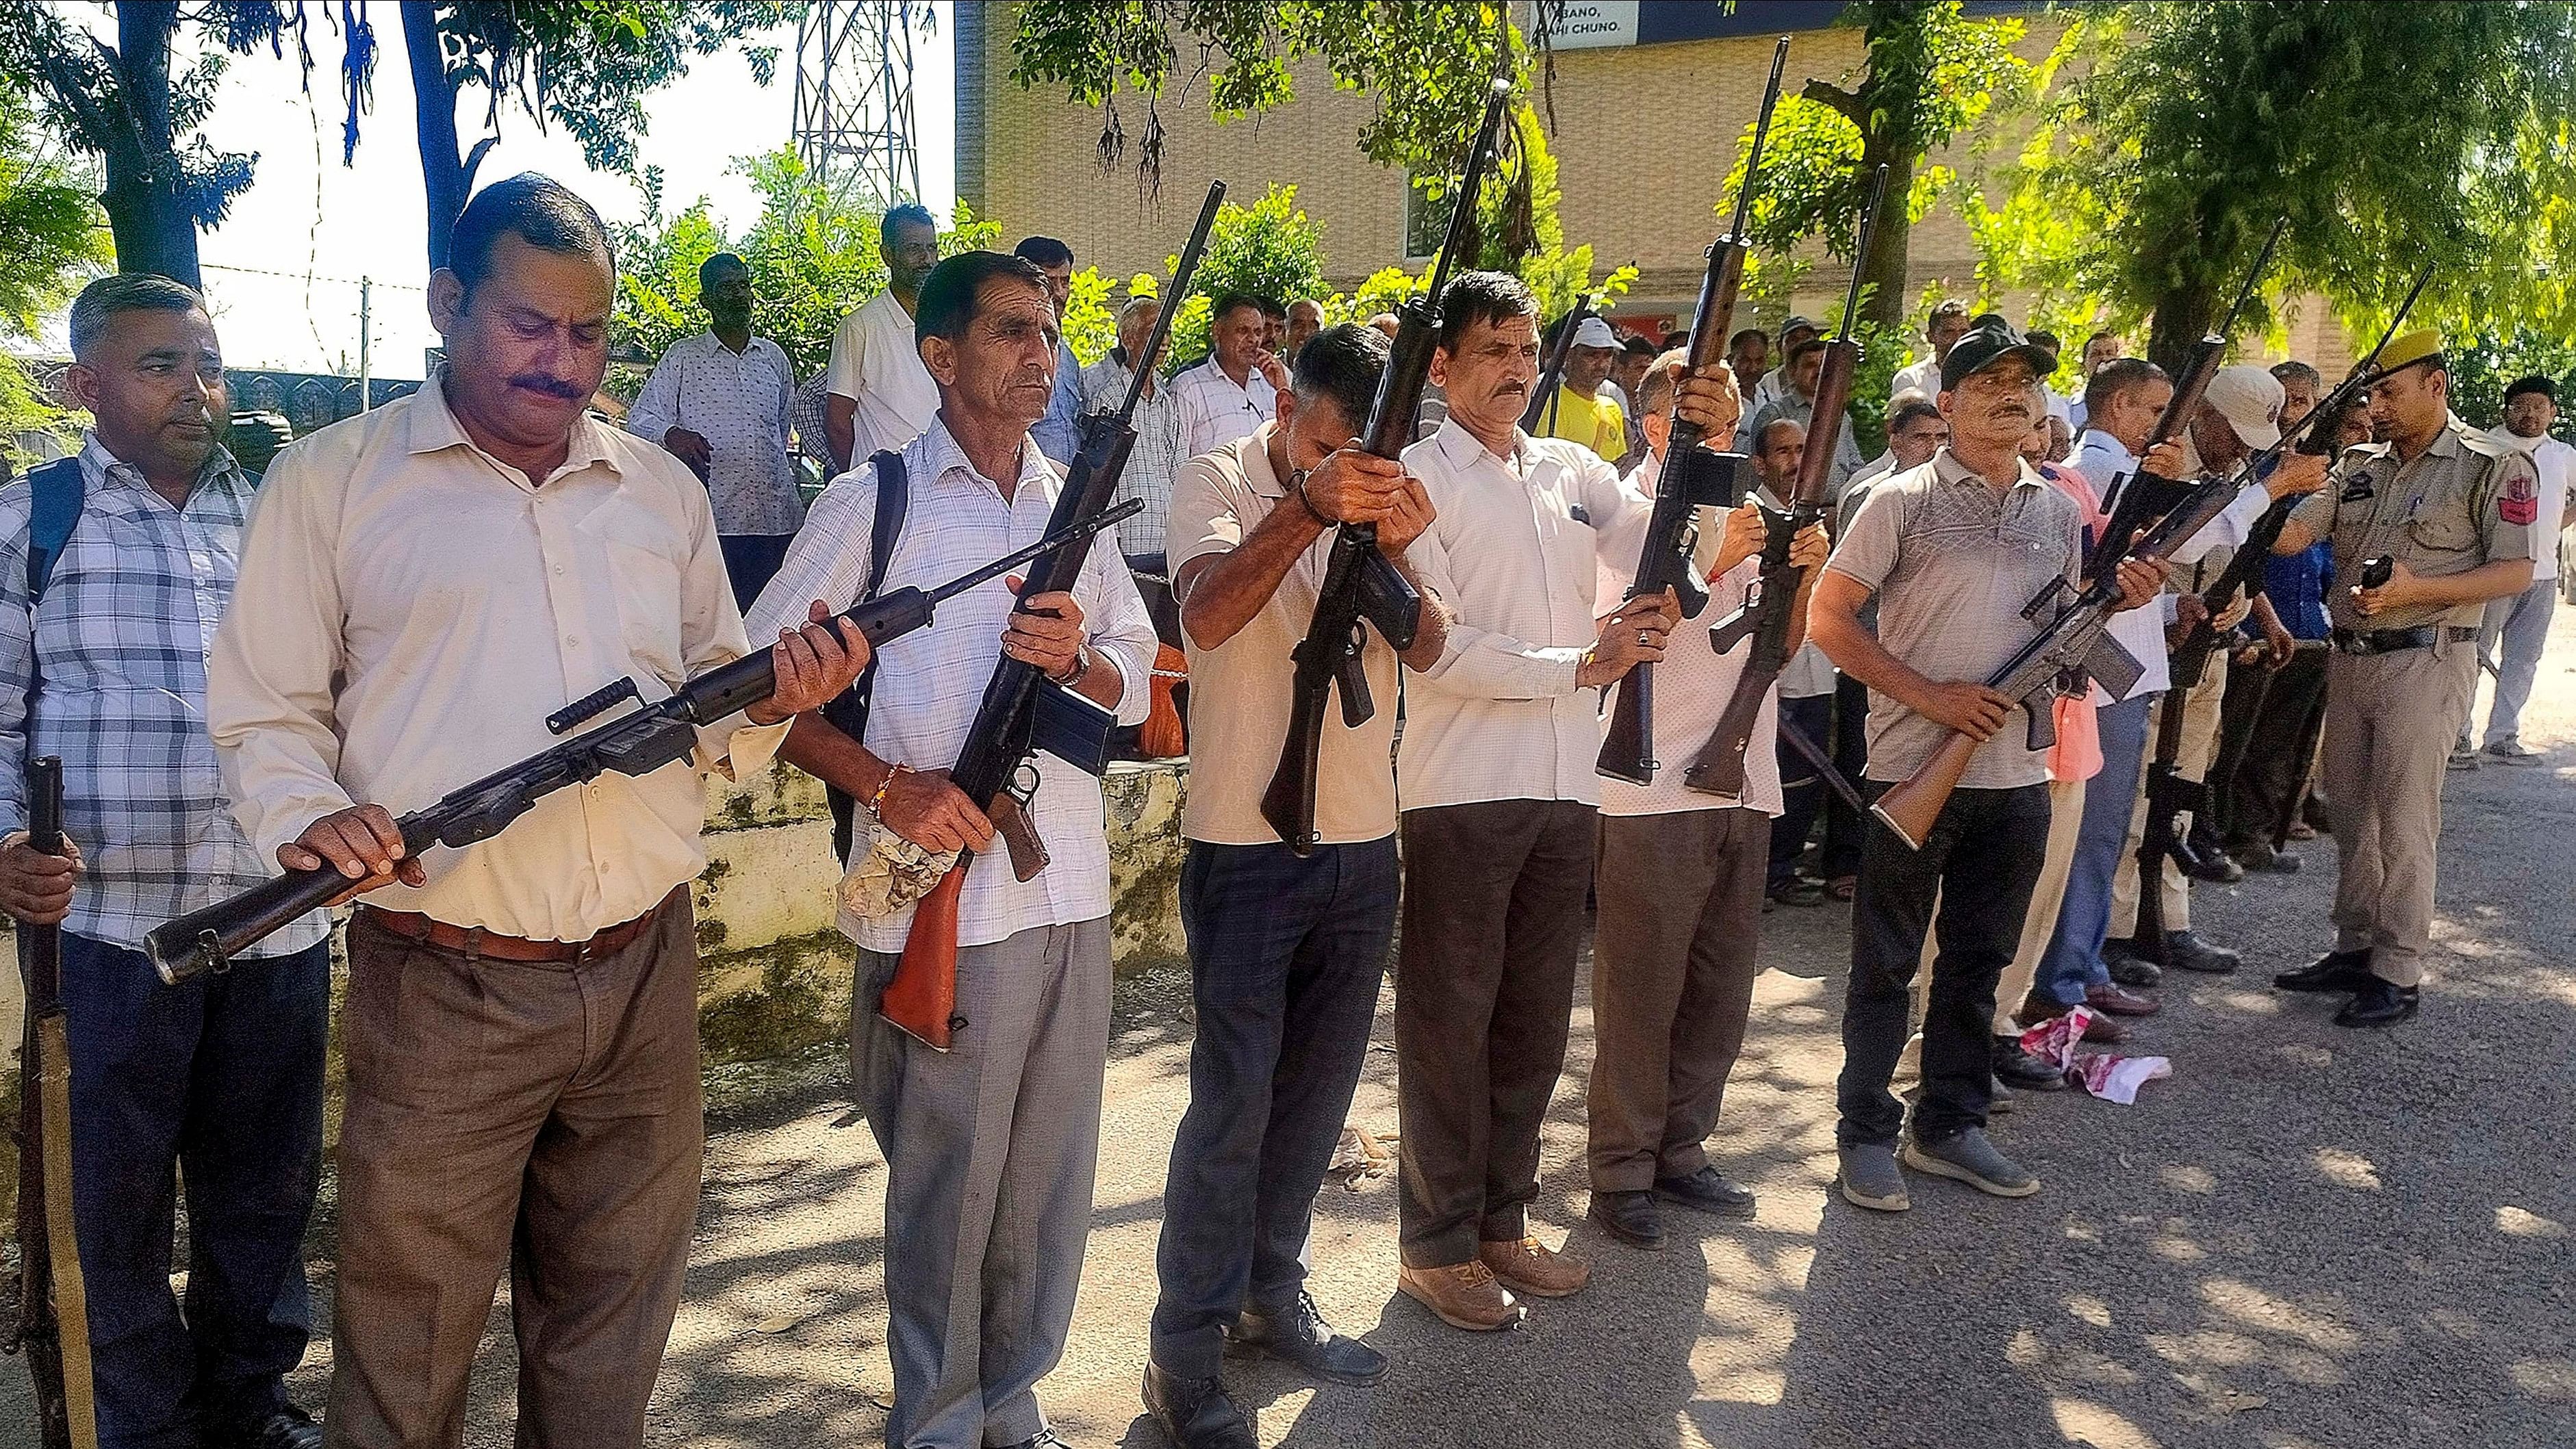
[(1515, 552), (1155, 459), (929, 682), (739, 402), (1215, 412), (2103, 459), (876, 364), (123, 632)]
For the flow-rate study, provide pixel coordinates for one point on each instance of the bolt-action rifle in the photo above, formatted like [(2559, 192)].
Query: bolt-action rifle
[(1694, 474)]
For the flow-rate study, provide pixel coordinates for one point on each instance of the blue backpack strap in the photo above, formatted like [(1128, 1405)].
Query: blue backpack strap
[(54, 513)]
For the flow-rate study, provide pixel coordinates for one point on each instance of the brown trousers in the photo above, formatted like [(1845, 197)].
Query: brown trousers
[(1484, 982), (545, 1118), (2390, 720), (1680, 916)]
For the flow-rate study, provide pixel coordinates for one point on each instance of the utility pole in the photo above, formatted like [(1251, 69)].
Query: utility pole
[(366, 294)]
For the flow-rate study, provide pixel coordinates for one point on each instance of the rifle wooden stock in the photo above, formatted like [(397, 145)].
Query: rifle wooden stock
[(1912, 805), (53, 1304), (1718, 769), (921, 1000)]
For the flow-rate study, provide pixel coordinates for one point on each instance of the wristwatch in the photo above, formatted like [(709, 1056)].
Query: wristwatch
[(1081, 667)]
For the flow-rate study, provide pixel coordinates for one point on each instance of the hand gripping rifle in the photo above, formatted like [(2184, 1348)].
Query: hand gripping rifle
[(1359, 584), (635, 744), (1719, 767), (2138, 500), (2073, 636), (1023, 712), (1694, 475), (53, 1311), (1540, 415)]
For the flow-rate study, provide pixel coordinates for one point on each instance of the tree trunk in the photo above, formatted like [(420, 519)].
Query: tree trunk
[(146, 215), (444, 174), (2183, 314), (1883, 270)]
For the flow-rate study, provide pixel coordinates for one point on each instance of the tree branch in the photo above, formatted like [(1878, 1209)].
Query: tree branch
[(1836, 99), (474, 160)]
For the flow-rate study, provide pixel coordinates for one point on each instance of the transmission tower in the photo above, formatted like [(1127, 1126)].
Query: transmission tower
[(853, 117)]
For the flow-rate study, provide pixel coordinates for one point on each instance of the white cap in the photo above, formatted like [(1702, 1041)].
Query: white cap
[(1595, 333), (2250, 399)]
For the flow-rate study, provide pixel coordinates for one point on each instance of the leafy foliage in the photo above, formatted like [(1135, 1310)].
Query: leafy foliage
[(2483, 366), (50, 231), (1268, 249), (813, 260)]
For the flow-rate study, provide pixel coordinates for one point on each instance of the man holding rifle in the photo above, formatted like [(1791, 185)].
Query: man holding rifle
[(1499, 798), (2452, 518), (1680, 883), (1951, 550), (1286, 950), (990, 1146), (420, 587)]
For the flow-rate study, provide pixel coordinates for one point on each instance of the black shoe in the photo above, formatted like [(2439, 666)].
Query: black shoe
[(286, 1428), (2128, 968), (1628, 1216), (2191, 953), (1192, 1413), (2378, 1004), (1707, 1191), (2017, 1068), (1799, 890), (2216, 868), (2333, 971), (1299, 1334)]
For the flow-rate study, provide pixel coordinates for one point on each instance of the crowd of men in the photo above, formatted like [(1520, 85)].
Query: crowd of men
[(236, 689)]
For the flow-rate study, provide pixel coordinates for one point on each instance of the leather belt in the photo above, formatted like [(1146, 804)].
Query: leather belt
[(476, 941), (2392, 641)]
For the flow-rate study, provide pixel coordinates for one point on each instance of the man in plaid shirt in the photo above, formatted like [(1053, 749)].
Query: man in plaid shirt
[(223, 1074)]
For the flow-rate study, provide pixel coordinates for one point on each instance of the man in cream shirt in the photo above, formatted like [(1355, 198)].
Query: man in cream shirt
[(420, 587)]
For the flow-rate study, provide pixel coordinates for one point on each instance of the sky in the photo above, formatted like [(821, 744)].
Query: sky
[(306, 213)]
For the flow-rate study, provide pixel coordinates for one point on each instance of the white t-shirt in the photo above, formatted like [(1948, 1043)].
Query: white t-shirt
[(877, 365), (2557, 464)]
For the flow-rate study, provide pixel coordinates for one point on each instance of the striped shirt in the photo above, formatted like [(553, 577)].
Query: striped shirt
[(1152, 463), (929, 682), (123, 633), (1215, 411), (739, 402)]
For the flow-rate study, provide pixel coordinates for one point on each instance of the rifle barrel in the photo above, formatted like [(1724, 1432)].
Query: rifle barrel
[(1761, 129), (1181, 274)]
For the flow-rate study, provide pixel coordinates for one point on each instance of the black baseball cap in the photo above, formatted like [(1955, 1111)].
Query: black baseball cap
[(1989, 342)]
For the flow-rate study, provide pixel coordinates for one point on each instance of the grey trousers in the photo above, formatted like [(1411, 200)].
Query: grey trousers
[(2390, 719), (2520, 623), (1672, 980), (991, 1150)]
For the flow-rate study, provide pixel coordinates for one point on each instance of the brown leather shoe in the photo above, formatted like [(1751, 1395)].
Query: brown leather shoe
[(2039, 1006), (2120, 1001), (1464, 1295), (1535, 1269)]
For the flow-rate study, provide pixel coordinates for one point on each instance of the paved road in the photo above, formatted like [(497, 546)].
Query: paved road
[(2306, 1238)]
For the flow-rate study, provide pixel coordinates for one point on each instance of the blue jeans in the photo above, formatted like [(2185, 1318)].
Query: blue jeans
[(220, 1078), (1285, 960), (2074, 960)]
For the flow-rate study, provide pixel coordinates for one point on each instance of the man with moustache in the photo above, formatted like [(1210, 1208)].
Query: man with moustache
[(1946, 324), (1059, 433), (1796, 401), (879, 395), (1748, 356), (1950, 550), (1805, 702), (1237, 388), (991, 1146), (2459, 518), (1305, 319), (1579, 413), (221, 1075), (1499, 798), (1153, 460), (1286, 950), (421, 586)]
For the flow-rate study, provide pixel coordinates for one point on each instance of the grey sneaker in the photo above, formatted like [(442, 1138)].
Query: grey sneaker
[(1870, 1178), (1970, 1158), (2515, 752), (2464, 756)]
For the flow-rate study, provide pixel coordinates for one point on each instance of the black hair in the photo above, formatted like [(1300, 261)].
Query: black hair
[(1910, 409), (2099, 336), (2282, 372), (110, 297), (1946, 307), (1342, 365), (2037, 337), (538, 210), (1812, 344), (1487, 297), (711, 263), (1984, 318), (955, 287), (2116, 377), (1228, 302), (1737, 340), (1272, 307), (1046, 251), (1636, 346), (2534, 383), (911, 213)]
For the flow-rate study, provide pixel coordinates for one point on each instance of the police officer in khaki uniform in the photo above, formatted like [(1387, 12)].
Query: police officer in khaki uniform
[(2455, 513)]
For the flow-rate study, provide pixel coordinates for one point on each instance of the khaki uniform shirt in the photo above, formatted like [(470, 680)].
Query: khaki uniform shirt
[(2461, 504), (1241, 690), (409, 611)]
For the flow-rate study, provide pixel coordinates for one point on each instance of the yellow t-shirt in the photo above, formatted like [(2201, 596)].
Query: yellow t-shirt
[(1595, 422)]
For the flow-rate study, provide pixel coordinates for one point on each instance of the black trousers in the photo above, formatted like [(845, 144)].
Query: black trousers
[(1981, 860), (1846, 829), (1484, 981), (2255, 779), (1802, 790), (1285, 960)]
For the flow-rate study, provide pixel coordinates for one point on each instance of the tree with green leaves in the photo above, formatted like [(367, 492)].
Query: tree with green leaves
[(52, 233), (1929, 73), (2388, 135), (130, 105), (584, 65)]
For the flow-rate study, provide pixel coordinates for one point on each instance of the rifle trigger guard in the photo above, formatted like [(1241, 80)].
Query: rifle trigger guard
[(1024, 781)]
